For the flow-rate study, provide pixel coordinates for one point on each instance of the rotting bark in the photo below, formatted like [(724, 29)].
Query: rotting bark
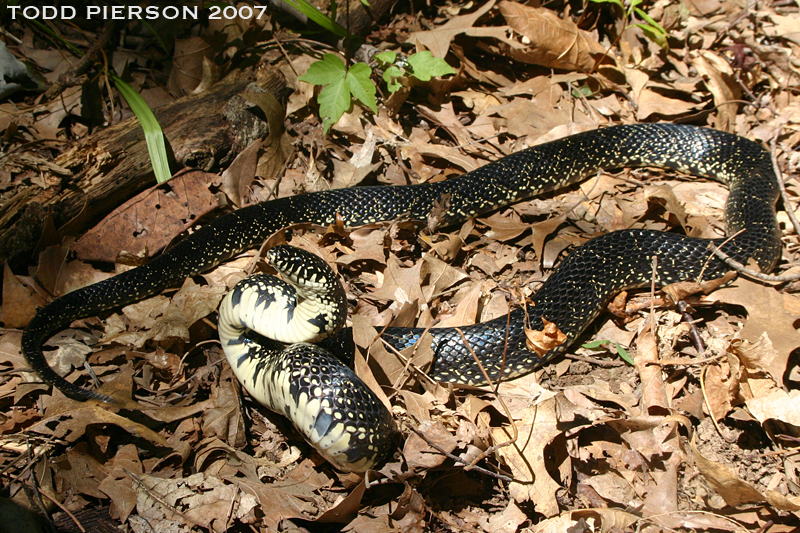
[(205, 131)]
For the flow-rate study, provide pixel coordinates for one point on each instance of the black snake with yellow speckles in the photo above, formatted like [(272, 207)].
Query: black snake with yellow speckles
[(571, 297)]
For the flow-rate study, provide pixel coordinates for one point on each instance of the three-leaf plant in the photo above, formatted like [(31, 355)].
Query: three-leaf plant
[(422, 66), (340, 85)]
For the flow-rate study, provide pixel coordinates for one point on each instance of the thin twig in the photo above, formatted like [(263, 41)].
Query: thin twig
[(683, 307), (612, 363), (708, 259), (135, 478), (67, 511), (689, 362), (787, 205), (514, 430), (749, 272), (708, 404), (457, 459)]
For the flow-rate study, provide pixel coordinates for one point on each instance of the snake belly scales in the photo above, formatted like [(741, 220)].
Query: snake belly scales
[(571, 297)]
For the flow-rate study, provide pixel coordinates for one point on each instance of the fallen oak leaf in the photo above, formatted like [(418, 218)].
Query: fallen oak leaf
[(438, 40), (539, 426), (777, 405), (552, 41), (68, 419), (71, 425)]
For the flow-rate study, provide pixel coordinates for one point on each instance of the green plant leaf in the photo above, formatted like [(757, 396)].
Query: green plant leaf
[(386, 58), (617, 2), (318, 16), (594, 344), (340, 87), (624, 355), (424, 66), (650, 21), (654, 35), (327, 70), (361, 86), (153, 135), (621, 351), (333, 101), (390, 76)]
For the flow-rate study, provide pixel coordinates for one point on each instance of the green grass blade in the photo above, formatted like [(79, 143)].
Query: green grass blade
[(153, 135), (318, 16)]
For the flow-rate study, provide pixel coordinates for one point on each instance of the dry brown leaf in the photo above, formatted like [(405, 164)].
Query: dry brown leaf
[(769, 312), (420, 453), (721, 386), (722, 84), (654, 396), (150, 220), (609, 520), (612, 487), (19, 302), (401, 284), (663, 192), (352, 172), (118, 485), (777, 405), (156, 318), (438, 40), (75, 275), (187, 70), (238, 177), (466, 312), (734, 490), (69, 419), (504, 226), (538, 426), (544, 340), (439, 276), (198, 301), (508, 521), (542, 230), (654, 103), (551, 41)]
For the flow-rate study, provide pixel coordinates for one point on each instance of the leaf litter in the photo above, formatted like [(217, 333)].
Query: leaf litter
[(689, 438)]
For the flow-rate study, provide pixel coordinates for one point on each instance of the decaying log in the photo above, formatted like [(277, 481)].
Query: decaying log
[(205, 131)]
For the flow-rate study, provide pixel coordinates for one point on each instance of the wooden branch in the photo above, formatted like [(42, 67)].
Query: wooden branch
[(205, 131)]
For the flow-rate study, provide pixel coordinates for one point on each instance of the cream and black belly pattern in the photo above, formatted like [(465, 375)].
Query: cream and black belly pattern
[(266, 327)]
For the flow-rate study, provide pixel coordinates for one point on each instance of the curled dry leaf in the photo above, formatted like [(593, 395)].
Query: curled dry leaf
[(769, 312), (544, 340), (19, 301), (423, 449), (777, 405)]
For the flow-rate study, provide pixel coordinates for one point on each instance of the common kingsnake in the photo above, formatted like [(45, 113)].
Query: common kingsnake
[(572, 296)]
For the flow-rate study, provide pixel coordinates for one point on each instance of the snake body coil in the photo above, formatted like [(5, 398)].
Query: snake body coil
[(327, 403), (571, 297)]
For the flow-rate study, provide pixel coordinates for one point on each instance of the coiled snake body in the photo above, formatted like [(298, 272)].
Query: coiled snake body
[(571, 297)]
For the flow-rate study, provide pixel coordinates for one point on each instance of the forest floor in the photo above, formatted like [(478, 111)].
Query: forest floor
[(699, 433)]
